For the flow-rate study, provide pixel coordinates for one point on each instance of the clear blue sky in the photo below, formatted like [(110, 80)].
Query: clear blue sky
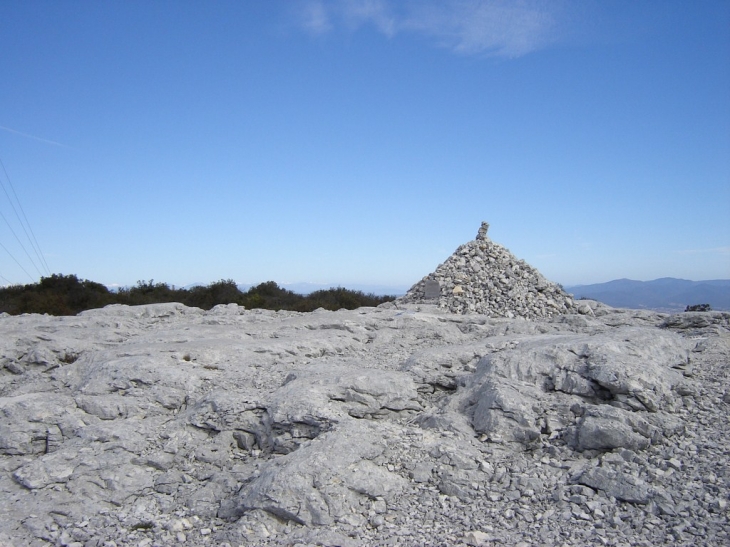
[(353, 142)]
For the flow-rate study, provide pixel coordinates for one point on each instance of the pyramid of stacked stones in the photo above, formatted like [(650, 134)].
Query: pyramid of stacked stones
[(484, 277)]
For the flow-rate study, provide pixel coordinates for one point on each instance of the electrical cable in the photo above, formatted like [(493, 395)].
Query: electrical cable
[(33, 240), (18, 263), (21, 245)]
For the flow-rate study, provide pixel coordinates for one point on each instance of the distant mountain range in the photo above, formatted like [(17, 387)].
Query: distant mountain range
[(665, 294)]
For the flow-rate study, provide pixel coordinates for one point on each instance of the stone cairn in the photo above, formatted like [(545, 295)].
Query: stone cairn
[(484, 277)]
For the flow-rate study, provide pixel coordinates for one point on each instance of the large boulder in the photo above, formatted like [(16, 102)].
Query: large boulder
[(609, 390)]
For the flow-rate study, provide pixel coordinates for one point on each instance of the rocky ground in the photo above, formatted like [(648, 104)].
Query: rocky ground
[(483, 277), (399, 425)]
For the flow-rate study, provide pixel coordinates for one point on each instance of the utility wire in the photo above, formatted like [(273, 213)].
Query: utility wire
[(18, 263), (33, 240), (21, 245)]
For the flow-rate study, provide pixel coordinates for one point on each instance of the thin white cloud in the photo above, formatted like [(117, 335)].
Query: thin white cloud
[(32, 136), (501, 28), (375, 12), (322, 16), (314, 17)]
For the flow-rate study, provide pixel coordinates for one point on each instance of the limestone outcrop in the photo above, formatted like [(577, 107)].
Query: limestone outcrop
[(403, 424), (483, 277), (444, 418)]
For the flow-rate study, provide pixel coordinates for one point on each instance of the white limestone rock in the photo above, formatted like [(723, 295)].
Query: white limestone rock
[(400, 424)]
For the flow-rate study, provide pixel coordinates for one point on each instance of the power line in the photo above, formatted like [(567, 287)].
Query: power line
[(18, 263), (33, 241), (21, 245)]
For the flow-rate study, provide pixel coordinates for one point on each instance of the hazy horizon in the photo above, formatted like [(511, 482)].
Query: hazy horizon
[(304, 287)]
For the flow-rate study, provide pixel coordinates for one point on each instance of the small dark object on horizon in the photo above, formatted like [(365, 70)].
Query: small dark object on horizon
[(699, 307)]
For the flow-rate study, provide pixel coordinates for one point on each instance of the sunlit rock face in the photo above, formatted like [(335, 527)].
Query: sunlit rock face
[(484, 277), (403, 424)]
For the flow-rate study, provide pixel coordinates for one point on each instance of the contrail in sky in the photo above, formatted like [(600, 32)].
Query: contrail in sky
[(33, 137)]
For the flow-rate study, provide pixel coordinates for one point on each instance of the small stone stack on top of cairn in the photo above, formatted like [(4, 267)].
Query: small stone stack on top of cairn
[(484, 277)]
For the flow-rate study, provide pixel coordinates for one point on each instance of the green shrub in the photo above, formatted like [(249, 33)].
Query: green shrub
[(67, 295), (224, 291), (56, 295), (698, 307)]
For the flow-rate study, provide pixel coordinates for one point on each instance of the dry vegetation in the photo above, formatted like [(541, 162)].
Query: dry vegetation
[(68, 295)]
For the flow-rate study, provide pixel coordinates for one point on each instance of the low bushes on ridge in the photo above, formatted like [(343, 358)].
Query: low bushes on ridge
[(68, 295)]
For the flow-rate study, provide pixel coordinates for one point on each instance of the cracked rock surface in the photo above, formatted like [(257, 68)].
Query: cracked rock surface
[(399, 425)]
